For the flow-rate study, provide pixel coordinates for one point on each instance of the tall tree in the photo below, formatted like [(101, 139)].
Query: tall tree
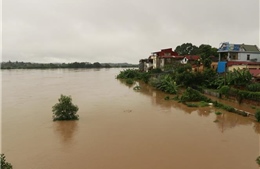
[(186, 49)]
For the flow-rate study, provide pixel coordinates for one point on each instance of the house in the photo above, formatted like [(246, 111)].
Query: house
[(238, 52), (145, 64), (238, 56), (164, 58), (192, 59)]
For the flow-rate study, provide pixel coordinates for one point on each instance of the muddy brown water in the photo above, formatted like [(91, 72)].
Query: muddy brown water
[(119, 128)]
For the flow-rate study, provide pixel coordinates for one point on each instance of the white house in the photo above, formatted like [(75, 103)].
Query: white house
[(238, 52)]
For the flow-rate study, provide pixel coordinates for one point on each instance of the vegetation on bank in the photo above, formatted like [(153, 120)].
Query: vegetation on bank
[(29, 65), (65, 109), (258, 160), (237, 84), (4, 163)]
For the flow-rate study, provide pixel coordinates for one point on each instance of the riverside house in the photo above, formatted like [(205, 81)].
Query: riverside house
[(160, 59), (239, 56)]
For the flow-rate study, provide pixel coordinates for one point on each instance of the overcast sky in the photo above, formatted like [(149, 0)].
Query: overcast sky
[(120, 30)]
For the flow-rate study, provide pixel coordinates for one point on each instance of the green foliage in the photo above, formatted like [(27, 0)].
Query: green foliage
[(144, 76), (218, 113), (184, 75), (167, 98), (165, 83), (129, 81), (258, 160), (208, 76), (4, 163), (134, 74), (186, 49), (257, 115), (239, 77), (128, 74), (191, 105), (192, 95), (157, 70), (203, 104), (65, 110), (224, 90), (225, 107), (29, 65), (254, 87), (217, 82)]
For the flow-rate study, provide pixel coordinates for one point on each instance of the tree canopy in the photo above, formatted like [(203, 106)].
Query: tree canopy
[(65, 110)]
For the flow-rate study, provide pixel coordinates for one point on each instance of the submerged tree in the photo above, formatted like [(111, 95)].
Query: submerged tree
[(65, 110)]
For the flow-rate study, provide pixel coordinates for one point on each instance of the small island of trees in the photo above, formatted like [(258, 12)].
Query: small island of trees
[(65, 109)]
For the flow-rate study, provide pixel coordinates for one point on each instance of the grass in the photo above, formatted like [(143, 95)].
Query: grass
[(203, 104)]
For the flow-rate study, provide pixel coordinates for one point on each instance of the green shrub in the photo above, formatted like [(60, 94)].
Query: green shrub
[(224, 90), (65, 110), (129, 81), (191, 105), (257, 115), (255, 87), (258, 160), (218, 113), (4, 163), (167, 98), (165, 83), (203, 104), (193, 95), (128, 74)]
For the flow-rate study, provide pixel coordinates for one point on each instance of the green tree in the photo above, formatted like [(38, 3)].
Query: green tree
[(97, 65), (186, 49), (4, 163), (65, 110)]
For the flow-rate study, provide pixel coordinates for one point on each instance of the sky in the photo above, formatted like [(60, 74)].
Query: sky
[(116, 31)]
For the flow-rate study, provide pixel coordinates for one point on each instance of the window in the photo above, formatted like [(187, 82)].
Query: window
[(248, 57)]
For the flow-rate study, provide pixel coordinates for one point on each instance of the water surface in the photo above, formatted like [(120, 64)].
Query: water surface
[(119, 128)]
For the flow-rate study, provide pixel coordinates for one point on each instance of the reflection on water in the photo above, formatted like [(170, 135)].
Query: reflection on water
[(66, 130)]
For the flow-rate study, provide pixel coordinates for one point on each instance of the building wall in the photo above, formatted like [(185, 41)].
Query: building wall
[(231, 68), (244, 56)]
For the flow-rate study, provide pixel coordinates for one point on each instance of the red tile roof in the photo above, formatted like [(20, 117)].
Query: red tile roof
[(192, 57)]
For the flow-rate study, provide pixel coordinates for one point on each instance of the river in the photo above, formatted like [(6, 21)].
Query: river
[(118, 127)]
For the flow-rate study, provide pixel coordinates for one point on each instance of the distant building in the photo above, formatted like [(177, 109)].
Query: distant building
[(239, 56), (238, 52), (165, 57)]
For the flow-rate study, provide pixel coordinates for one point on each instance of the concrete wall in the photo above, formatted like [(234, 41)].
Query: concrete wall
[(243, 56)]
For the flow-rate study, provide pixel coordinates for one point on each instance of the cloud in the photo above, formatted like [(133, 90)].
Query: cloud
[(120, 31)]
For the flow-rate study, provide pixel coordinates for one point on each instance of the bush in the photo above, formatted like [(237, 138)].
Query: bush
[(165, 83), (257, 115), (255, 87), (128, 74), (218, 113), (65, 110), (129, 81), (193, 95), (4, 164), (224, 90), (258, 160)]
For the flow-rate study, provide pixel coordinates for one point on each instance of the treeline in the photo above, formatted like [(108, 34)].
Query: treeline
[(29, 65)]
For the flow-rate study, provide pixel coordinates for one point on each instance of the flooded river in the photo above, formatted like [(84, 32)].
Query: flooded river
[(119, 128)]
